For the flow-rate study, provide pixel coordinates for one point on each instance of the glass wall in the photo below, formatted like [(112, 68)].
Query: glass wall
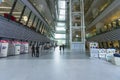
[(18, 10), (35, 22), (97, 10), (62, 7), (25, 16), (31, 20), (76, 35), (60, 24), (60, 42), (60, 28), (38, 26), (60, 35), (41, 26), (5, 7)]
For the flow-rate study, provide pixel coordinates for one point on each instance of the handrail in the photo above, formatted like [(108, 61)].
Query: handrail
[(117, 27), (15, 22), (19, 24)]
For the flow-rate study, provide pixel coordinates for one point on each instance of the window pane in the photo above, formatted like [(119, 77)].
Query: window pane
[(42, 29), (38, 25), (60, 42), (60, 24), (60, 36), (76, 35), (31, 20), (60, 28), (18, 9), (62, 4), (41, 26), (5, 7), (61, 17), (25, 16), (62, 12), (34, 25)]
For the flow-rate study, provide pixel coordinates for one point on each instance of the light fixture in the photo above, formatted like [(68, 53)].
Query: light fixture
[(77, 36), (25, 18)]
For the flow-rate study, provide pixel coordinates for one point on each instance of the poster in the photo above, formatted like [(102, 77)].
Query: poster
[(93, 49), (22, 48), (11, 48), (26, 47), (109, 54), (17, 47), (4, 48)]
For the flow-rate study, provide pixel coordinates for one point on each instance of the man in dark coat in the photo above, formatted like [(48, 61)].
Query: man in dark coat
[(63, 46), (37, 51), (33, 50)]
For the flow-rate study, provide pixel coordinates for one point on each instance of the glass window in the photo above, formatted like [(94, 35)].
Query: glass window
[(105, 28), (76, 35), (60, 35), (105, 44), (31, 20), (62, 4), (38, 25), (109, 26), (61, 17), (42, 29), (104, 4), (62, 12), (36, 20), (60, 28), (41, 26), (18, 9), (60, 24), (119, 22), (114, 24), (25, 16), (116, 43), (5, 7), (76, 6), (62, 7), (60, 42)]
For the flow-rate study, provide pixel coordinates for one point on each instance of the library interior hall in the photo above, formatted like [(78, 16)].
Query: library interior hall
[(59, 39)]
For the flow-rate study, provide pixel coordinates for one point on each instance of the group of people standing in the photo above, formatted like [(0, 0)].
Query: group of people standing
[(62, 47), (35, 51)]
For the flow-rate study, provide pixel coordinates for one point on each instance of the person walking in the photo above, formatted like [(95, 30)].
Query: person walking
[(37, 51), (63, 46), (54, 47), (60, 48), (33, 50)]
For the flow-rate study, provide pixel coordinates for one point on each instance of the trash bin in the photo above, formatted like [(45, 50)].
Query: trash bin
[(4, 48)]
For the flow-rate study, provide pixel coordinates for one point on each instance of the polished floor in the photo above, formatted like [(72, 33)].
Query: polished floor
[(56, 65)]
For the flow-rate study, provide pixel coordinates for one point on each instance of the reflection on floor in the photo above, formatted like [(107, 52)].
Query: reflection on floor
[(53, 65)]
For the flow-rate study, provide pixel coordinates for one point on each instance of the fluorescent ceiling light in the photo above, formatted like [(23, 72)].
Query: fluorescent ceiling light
[(5, 7)]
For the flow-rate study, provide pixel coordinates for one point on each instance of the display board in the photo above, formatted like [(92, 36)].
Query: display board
[(3, 48), (26, 47), (102, 53), (93, 49), (109, 54), (17, 47), (11, 48)]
